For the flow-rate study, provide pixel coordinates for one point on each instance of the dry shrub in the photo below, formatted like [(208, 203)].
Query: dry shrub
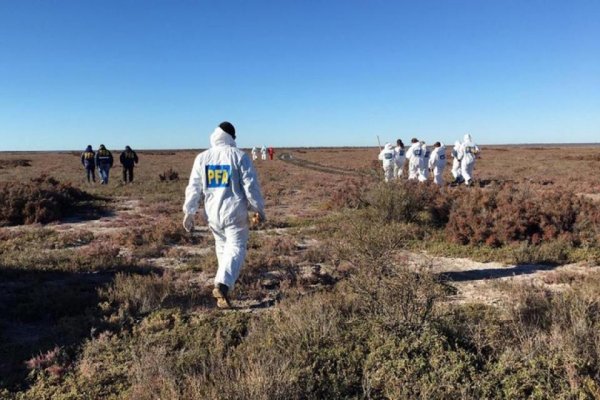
[(409, 202), (15, 163), (52, 363), (41, 200), (553, 346), (164, 231), (350, 193), (169, 175), (132, 295), (510, 214)]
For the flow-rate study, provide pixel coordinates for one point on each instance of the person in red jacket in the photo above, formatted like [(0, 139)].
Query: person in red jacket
[(271, 153)]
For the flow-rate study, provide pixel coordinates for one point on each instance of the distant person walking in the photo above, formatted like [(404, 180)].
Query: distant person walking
[(424, 163), (387, 156), (456, 173), (414, 156), (271, 153), (437, 163), (104, 162), (224, 177), (400, 159), (87, 160), (467, 155), (263, 153), (254, 153), (128, 159)]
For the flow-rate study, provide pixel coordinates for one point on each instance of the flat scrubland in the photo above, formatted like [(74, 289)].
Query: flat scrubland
[(352, 288)]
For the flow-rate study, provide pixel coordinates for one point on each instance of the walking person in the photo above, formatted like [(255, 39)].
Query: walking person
[(400, 159), (387, 156), (104, 162), (263, 153), (87, 160), (456, 169), (424, 163), (468, 154), (414, 156), (224, 177), (128, 159), (271, 152), (437, 163)]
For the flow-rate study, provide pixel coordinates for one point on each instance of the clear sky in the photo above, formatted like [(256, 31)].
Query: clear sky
[(164, 73)]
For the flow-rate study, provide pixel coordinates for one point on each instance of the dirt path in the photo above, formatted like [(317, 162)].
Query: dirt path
[(478, 282)]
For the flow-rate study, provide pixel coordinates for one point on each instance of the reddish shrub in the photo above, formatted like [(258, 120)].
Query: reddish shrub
[(517, 214), (350, 194), (41, 200)]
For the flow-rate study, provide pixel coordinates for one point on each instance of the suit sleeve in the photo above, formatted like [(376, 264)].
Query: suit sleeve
[(194, 189), (251, 186)]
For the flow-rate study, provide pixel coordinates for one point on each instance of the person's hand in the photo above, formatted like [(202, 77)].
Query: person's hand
[(256, 219), (188, 222)]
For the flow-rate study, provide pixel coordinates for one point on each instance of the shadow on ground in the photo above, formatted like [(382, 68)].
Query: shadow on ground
[(495, 273)]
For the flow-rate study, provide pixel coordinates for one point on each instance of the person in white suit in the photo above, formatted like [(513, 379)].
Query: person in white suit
[(225, 178), (437, 163), (387, 156), (414, 154), (467, 154)]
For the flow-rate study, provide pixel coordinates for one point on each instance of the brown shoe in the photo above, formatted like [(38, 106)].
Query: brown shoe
[(220, 294)]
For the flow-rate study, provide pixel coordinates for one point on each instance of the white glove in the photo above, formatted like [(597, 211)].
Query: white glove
[(188, 222)]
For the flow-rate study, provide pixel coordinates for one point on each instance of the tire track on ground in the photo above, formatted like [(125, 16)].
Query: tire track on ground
[(288, 158)]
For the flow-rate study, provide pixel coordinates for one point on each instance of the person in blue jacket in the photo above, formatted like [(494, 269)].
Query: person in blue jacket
[(88, 162), (104, 162)]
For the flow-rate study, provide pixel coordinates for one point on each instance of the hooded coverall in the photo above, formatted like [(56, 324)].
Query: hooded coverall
[(263, 153), (424, 163), (414, 155), (467, 154), (400, 158), (254, 153), (456, 162), (388, 158), (437, 163), (225, 177)]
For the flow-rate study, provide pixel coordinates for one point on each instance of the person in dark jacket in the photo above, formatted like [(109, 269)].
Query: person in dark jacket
[(128, 160), (87, 159), (104, 162)]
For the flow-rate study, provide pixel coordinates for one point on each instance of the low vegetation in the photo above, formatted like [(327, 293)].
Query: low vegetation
[(331, 306), (41, 200)]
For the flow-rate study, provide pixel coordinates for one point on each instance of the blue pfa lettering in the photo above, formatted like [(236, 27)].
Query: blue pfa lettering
[(218, 176)]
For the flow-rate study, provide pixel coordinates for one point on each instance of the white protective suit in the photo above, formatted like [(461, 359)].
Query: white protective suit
[(424, 163), (467, 154), (400, 159), (388, 158), (225, 177), (263, 153), (437, 163), (414, 155), (254, 153), (456, 162)]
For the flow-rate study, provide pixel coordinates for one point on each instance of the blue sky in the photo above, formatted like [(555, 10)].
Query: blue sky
[(162, 74)]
